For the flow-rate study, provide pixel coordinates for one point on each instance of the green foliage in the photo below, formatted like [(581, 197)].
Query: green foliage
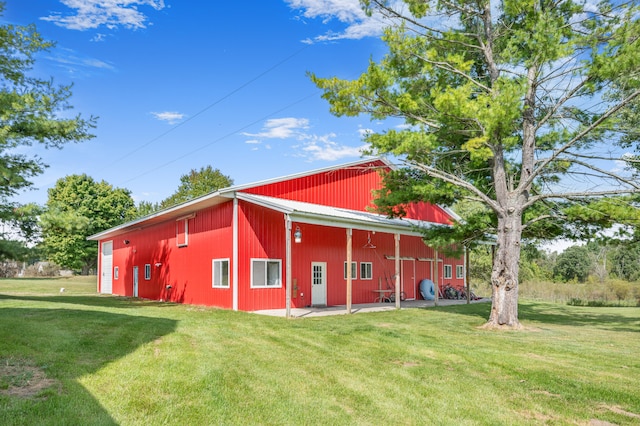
[(78, 207), (194, 184), (573, 264), (31, 112), (625, 261), (197, 183), (509, 104)]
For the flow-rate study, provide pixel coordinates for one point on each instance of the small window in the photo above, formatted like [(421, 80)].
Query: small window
[(448, 272), (354, 270), (220, 273), (182, 232), (116, 273), (459, 271), (147, 271), (366, 270), (266, 273)]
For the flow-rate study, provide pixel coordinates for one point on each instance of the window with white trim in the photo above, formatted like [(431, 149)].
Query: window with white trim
[(266, 273), (448, 272), (220, 273), (116, 273), (147, 271), (459, 271), (354, 270), (366, 270), (182, 232)]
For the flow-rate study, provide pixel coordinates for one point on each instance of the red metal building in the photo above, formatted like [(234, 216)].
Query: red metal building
[(279, 243)]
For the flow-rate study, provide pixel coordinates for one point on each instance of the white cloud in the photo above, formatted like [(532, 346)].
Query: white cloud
[(327, 150), (76, 63), (348, 12), (170, 117), (310, 146), (89, 14), (282, 128)]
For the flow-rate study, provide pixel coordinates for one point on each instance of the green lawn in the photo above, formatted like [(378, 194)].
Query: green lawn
[(79, 358)]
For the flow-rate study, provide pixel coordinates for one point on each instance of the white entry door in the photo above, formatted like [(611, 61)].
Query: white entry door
[(319, 283), (106, 279), (135, 281)]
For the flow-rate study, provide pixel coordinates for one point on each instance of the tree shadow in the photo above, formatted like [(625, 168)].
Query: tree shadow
[(557, 314), (577, 316), (106, 301), (68, 344)]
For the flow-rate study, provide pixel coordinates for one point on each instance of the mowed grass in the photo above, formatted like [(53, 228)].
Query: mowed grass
[(110, 360)]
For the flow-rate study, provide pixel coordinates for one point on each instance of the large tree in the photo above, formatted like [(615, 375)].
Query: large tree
[(32, 111), (77, 207), (192, 185), (197, 183), (521, 105)]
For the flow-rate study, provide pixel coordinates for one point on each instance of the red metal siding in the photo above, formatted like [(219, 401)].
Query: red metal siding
[(261, 235), (348, 188), (186, 269), (321, 244)]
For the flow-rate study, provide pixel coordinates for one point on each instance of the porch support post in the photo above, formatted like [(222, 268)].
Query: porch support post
[(397, 265), (436, 278), (235, 255), (349, 260), (287, 221)]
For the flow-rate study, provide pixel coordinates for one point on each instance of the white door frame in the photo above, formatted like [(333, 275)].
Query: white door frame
[(135, 281), (319, 284), (106, 268)]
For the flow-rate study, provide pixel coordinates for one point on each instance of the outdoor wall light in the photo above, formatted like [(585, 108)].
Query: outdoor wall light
[(297, 236), (126, 241), (159, 264)]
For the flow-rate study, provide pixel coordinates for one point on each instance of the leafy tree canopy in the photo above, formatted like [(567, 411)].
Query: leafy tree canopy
[(78, 207), (194, 184), (32, 111), (527, 107), (197, 183)]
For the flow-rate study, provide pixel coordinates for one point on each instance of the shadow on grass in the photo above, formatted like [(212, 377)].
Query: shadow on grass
[(68, 344), (613, 319), (106, 301)]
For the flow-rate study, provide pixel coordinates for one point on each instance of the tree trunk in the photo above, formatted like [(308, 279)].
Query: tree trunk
[(504, 277)]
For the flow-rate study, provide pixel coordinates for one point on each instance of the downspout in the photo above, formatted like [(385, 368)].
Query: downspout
[(287, 225), (235, 253)]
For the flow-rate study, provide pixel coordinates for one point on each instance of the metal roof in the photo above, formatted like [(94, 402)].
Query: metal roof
[(319, 214), (298, 211)]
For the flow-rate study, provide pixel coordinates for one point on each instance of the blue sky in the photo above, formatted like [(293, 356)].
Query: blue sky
[(179, 85)]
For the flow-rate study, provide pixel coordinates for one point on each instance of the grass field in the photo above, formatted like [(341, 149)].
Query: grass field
[(76, 358)]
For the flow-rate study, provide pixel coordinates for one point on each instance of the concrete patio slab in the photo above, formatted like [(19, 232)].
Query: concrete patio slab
[(362, 308)]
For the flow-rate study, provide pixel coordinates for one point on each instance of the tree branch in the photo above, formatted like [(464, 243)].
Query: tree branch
[(540, 169), (455, 180)]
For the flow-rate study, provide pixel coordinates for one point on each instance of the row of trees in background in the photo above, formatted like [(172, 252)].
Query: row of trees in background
[(597, 261)]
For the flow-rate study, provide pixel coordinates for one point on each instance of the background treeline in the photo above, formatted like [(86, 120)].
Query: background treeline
[(605, 272)]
